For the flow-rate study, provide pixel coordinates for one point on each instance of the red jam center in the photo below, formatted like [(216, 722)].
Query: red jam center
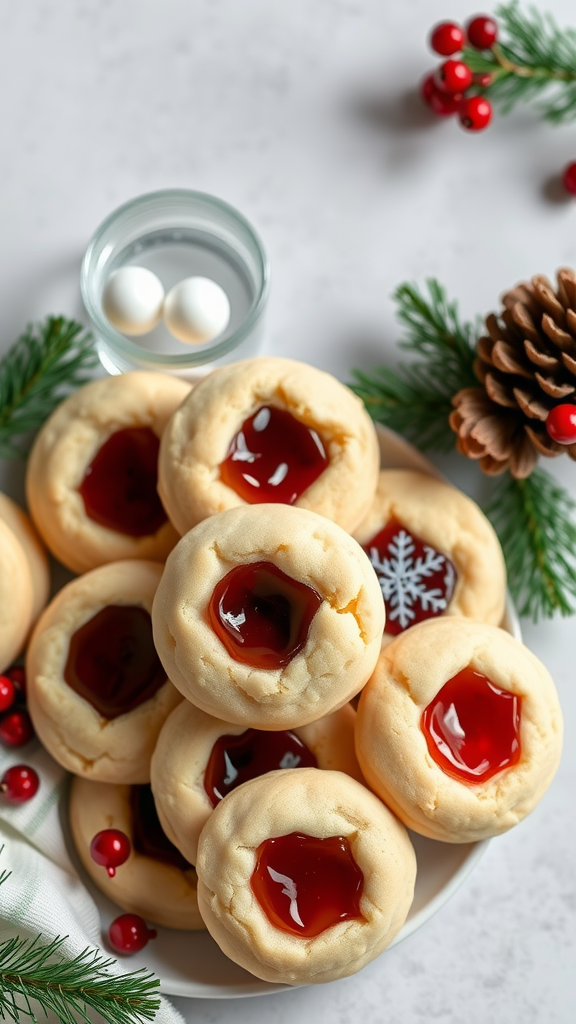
[(119, 488), (235, 759), (148, 836), (273, 457), (261, 615), (305, 885), (112, 661), (472, 728), (417, 582)]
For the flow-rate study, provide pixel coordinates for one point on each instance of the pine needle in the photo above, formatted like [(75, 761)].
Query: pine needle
[(533, 60), (31, 969), (415, 399), (534, 521), (46, 362)]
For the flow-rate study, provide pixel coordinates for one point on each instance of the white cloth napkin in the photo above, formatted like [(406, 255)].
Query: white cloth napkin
[(44, 893)]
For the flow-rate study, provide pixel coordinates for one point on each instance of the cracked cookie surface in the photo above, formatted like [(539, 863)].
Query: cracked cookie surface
[(66, 447), (318, 804), (73, 731), (393, 751), (198, 437), (343, 638)]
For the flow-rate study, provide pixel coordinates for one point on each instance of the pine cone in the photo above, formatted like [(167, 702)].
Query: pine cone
[(526, 365)]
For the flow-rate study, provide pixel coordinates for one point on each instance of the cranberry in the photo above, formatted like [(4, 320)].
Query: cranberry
[(561, 423), (453, 76), (129, 933), (19, 784), (482, 32), (7, 693), (16, 729), (569, 179), (440, 102), (110, 848), (475, 113), (446, 38)]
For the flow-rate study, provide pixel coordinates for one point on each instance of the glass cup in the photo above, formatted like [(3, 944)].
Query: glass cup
[(178, 233)]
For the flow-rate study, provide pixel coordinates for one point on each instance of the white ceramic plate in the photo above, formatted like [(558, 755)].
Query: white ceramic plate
[(191, 964)]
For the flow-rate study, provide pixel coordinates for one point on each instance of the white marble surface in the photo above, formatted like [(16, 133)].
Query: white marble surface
[(304, 116)]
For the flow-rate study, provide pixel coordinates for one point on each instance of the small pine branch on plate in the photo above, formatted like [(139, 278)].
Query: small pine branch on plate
[(33, 970), (45, 362), (534, 521), (533, 60), (416, 398)]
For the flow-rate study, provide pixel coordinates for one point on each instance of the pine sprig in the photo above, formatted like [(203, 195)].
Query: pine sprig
[(416, 398), (535, 524), (33, 970), (533, 60), (43, 364)]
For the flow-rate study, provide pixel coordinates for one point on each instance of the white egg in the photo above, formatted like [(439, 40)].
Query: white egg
[(132, 300), (196, 310)]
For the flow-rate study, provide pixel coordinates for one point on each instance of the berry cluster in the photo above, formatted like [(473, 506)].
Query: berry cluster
[(19, 782), (449, 90)]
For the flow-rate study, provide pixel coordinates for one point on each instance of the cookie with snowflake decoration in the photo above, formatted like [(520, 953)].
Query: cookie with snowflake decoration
[(434, 552), (269, 430), (156, 881), (459, 730), (268, 616), (199, 760)]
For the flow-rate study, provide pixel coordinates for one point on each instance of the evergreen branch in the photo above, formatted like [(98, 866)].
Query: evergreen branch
[(415, 399), (43, 364), (536, 61), (533, 519), (31, 969)]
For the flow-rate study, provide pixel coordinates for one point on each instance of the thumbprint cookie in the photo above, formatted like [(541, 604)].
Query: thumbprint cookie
[(97, 692), (16, 596), (434, 552), (304, 876), (155, 881), (268, 616), (459, 730), (92, 475), (199, 759), (269, 430)]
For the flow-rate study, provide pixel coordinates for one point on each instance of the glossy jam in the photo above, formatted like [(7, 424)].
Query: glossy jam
[(417, 582), (261, 615), (235, 759), (112, 661), (148, 836), (305, 885), (119, 488), (273, 457), (472, 728)]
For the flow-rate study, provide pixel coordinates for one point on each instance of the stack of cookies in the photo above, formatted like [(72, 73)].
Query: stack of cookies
[(248, 571)]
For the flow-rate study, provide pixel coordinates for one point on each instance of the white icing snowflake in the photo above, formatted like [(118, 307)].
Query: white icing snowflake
[(402, 579)]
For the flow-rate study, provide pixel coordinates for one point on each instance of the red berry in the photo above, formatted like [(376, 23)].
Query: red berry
[(129, 933), (446, 38), (19, 784), (18, 677), (475, 113), (16, 728), (482, 32), (453, 76), (442, 103), (569, 179), (110, 848), (484, 79), (561, 423), (7, 693)]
